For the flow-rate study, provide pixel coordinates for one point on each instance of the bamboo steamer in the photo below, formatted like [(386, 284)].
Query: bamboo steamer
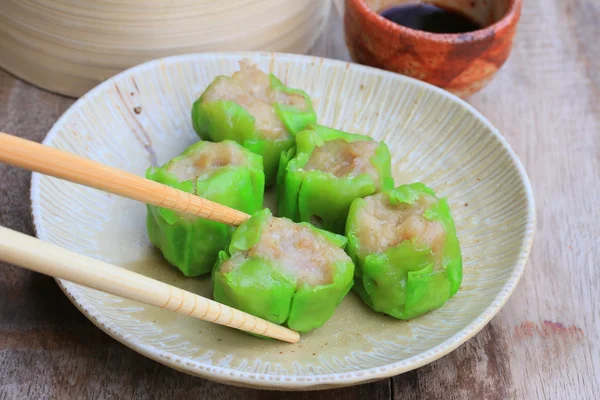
[(69, 46)]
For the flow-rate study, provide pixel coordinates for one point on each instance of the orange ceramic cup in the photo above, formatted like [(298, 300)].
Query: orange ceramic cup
[(462, 63)]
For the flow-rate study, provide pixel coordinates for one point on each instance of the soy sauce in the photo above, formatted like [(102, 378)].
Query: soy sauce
[(430, 18)]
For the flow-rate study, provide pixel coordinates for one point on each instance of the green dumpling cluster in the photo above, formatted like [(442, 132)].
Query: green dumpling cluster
[(400, 250)]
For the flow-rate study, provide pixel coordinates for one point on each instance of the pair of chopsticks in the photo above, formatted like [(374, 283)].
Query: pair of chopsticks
[(36, 255)]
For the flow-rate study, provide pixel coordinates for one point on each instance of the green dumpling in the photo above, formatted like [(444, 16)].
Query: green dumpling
[(254, 109), (287, 273), (407, 254), (222, 172), (326, 171)]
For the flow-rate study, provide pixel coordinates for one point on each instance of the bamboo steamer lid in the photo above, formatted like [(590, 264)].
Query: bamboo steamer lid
[(69, 46)]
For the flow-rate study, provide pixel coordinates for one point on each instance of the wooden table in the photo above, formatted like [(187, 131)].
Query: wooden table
[(544, 344)]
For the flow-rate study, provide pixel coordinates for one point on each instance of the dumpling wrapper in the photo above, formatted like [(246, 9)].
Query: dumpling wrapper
[(287, 273)]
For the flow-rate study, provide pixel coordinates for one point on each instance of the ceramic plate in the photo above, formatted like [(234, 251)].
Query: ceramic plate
[(142, 116)]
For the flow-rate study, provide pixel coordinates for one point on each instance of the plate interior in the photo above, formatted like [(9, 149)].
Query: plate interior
[(142, 117)]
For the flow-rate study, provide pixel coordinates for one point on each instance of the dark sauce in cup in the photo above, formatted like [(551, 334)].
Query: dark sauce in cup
[(430, 18)]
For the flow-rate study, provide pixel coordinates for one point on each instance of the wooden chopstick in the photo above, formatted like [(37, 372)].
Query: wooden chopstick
[(51, 161), (49, 259), (52, 260)]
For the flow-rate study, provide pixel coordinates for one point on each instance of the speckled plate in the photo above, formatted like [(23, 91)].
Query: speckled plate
[(142, 116)]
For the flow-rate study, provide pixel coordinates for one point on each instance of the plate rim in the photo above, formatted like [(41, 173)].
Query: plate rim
[(294, 382)]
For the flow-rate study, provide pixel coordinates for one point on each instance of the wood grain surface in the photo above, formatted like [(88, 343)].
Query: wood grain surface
[(544, 344)]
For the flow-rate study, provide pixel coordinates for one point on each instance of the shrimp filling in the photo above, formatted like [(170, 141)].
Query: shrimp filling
[(343, 159), (251, 88), (296, 250), (383, 226), (210, 158)]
